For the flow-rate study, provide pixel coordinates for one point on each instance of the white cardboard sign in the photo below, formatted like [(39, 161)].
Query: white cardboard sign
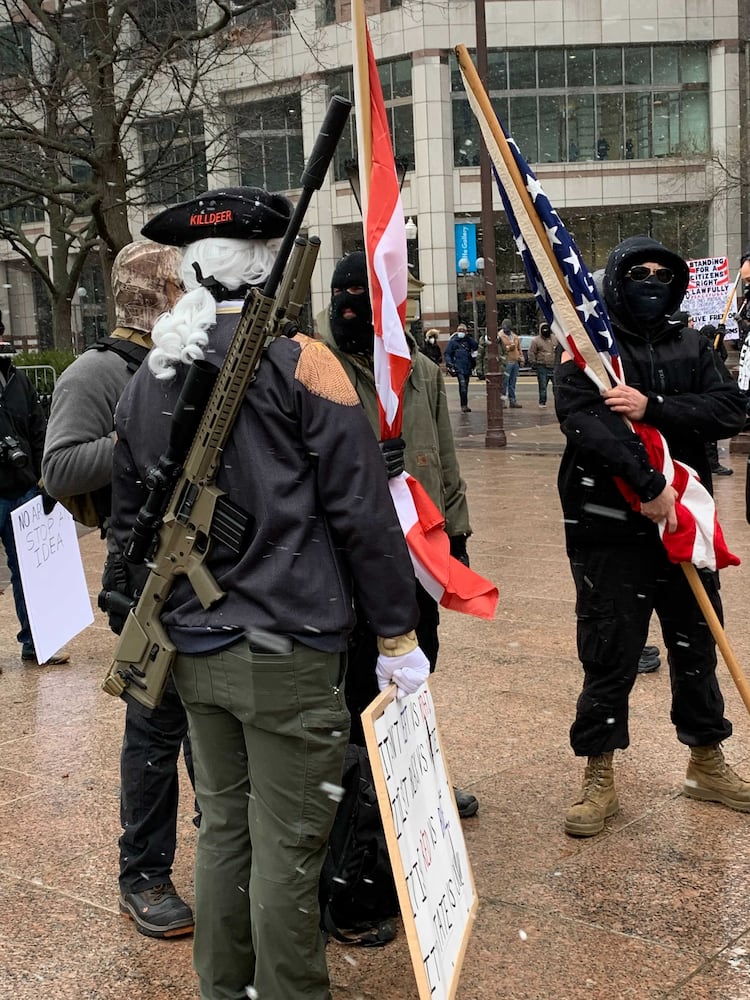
[(708, 292), (54, 583), (425, 841)]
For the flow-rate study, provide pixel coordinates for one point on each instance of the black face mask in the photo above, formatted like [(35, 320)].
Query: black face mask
[(355, 334), (5, 364), (647, 300)]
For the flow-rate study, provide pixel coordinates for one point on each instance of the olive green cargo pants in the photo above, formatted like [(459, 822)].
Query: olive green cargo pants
[(268, 731)]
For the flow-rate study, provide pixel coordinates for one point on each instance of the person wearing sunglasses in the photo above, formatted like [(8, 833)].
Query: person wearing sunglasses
[(619, 564)]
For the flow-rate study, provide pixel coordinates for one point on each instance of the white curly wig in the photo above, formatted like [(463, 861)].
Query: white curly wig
[(181, 335)]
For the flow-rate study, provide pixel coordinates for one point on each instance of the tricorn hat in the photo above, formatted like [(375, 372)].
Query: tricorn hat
[(241, 213)]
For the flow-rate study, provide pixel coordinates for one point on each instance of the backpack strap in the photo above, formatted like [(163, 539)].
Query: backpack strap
[(132, 353)]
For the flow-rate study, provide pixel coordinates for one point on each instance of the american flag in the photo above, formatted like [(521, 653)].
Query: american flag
[(585, 297), (578, 318), (447, 580)]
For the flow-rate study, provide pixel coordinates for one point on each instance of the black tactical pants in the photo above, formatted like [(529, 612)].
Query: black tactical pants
[(617, 590), (149, 790)]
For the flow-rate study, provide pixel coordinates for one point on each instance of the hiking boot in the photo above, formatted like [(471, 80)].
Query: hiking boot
[(468, 804), (721, 470), (598, 800), (649, 660), (158, 912), (710, 779)]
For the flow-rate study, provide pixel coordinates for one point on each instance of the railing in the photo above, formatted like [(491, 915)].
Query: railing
[(43, 378)]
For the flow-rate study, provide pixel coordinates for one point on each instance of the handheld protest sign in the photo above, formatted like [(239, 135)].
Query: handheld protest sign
[(54, 583), (426, 845)]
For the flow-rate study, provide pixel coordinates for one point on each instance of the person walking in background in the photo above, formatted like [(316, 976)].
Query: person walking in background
[(431, 348), (22, 428), (513, 356), (427, 450), (262, 671), (78, 460), (618, 562), (460, 360), (542, 359)]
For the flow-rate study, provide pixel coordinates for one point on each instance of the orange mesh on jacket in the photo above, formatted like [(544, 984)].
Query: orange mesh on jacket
[(320, 372)]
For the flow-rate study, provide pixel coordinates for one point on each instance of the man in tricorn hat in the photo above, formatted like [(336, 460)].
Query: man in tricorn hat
[(261, 673)]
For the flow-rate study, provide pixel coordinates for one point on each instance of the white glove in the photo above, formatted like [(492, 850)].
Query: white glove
[(408, 671)]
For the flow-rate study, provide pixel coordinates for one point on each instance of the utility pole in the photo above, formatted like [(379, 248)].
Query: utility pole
[(495, 437)]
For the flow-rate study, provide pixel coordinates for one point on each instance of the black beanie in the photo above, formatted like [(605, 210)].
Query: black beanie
[(350, 270)]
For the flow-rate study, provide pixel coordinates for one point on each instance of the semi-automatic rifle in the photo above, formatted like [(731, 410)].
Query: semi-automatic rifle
[(184, 507)]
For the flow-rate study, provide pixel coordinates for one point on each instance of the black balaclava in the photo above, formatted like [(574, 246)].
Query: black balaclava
[(643, 308), (353, 334), (647, 300)]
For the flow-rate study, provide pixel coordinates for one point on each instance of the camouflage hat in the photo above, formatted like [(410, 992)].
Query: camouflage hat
[(141, 274), (243, 213)]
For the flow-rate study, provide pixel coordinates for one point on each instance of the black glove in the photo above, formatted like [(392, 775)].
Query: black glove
[(48, 502), (393, 456), (458, 548)]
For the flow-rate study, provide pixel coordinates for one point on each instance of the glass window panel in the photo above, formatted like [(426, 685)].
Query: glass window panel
[(666, 64), (551, 64), (500, 104), (637, 126), (497, 72), (523, 126), (251, 163), (581, 141), (666, 124), (580, 64), (692, 235), (465, 135), (522, 69), (609, 67), (552, 143), (637, 65), (664, 226), (384, 72), (402, 78), (609, 108), (694, 124), (402, 133), (693, 64), (605, 239)]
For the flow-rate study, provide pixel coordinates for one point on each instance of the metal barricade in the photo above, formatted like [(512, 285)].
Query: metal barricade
[(43, 378)]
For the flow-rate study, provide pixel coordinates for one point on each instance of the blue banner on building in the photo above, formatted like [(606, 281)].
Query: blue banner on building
[(466, 247)]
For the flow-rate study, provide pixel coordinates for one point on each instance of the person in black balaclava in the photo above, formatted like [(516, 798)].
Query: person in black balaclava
[(619, 564), (351, 312), (427, 450)]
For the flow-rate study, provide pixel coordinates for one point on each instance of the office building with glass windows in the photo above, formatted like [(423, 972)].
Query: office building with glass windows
[(633, 124)]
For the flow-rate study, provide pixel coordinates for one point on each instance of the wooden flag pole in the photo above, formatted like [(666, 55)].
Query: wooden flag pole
[(362, 112), (536, 239), (730, 300), (717, 631)]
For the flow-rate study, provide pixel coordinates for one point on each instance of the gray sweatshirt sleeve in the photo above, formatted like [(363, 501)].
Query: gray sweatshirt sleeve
[(80, 431)]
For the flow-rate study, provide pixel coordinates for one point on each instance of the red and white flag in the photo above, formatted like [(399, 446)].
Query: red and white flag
[(452, 584)]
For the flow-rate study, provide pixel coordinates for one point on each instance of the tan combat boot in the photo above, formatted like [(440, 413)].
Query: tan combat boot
[(598, 799), (711, 779)]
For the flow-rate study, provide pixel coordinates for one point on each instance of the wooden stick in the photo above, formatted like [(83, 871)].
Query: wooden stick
[(717, 631)]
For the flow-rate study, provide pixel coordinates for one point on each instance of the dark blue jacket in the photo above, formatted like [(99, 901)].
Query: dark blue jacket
[(461, 354)]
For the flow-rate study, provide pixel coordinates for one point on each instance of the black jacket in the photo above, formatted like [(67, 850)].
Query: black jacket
[(691, 400), (21, 419)]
